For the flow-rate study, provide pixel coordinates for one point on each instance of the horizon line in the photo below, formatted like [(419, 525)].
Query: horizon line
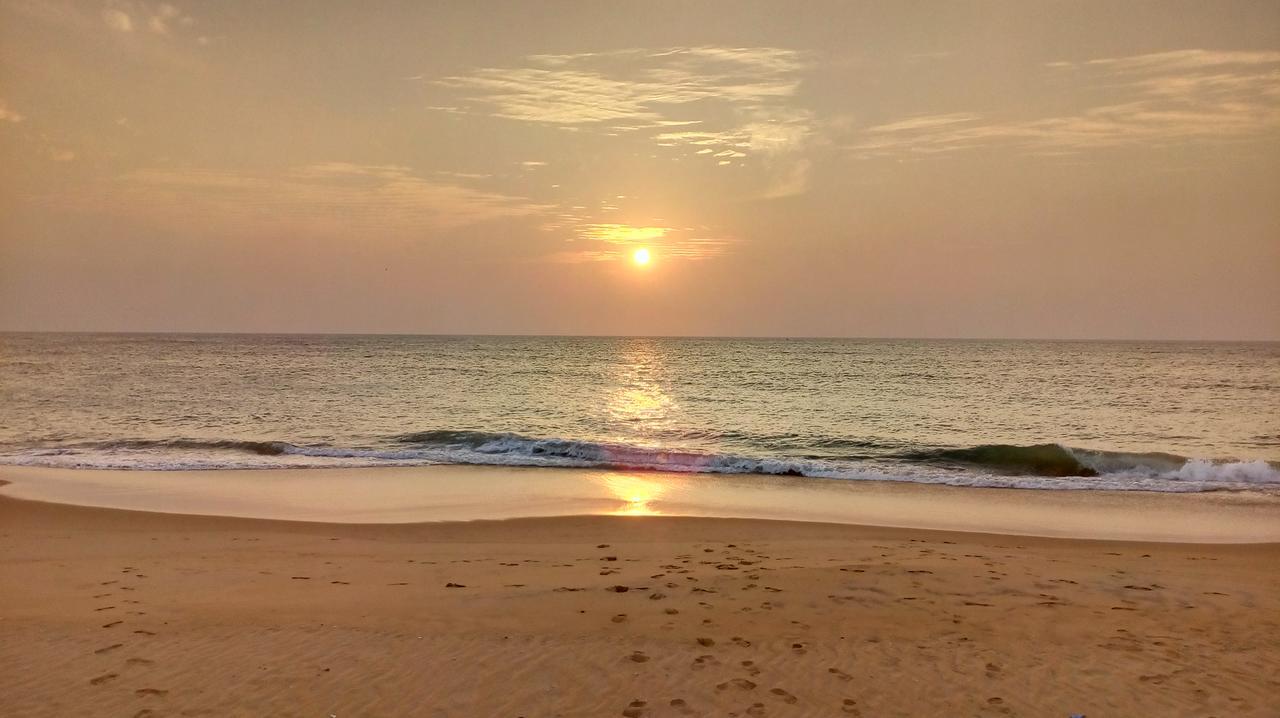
[(536, 335)]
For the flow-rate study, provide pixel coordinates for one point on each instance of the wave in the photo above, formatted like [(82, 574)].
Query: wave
[(1040, 466), (1038, 460), (262, 448)]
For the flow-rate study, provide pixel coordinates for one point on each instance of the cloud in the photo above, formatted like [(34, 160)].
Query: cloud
[(767, 132), (638, 86), (739, 97), (1167, 98), (927, 122), (117, 20), (160, 19), (612, 242), (331, 197), (8, 115), (792, 180), (164, 17), (1179, 60)]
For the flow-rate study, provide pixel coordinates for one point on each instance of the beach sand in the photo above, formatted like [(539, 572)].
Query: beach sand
[(121, 613)]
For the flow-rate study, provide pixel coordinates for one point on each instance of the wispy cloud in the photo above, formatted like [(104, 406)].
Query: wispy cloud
[(1167, 98), (926, 122), (613, 242), (117, 19), (159, 19), (738, 98), (1179, 60), (326, 197), (8, 115), (634, 87), (790, 181)]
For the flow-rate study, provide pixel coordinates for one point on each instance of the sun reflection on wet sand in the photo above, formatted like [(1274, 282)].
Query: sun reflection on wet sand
[(636, 493)]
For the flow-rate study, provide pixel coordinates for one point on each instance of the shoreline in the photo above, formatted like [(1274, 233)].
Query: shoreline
[(153, 614), (414, 495)]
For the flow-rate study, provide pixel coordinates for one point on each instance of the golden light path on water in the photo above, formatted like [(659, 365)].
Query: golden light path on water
[(638, 401), (640, 409)]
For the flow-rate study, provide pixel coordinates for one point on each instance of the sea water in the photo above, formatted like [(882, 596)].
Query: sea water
[(1155, 416)]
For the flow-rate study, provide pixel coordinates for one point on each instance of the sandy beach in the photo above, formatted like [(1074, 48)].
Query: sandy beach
[(125, 613)]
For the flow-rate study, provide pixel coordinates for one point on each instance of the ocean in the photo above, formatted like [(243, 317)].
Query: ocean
[(1148, 416)]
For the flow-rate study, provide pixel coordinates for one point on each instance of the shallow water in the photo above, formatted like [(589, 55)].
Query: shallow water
[(1070, 415)]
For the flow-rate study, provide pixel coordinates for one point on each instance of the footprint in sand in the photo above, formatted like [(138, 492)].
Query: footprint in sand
[(619, 618), (109, 649), (839, 674), (756, 710), (993, 670), (681, 705), (142, 692), (703, 661), (636, 709), (145, 633), (741, 642), (752, 670), (799, 649), (113, 623), (103, 679), (850, 706), (739, 683), (140, 662), (639, 657), (784, 696), (671, 611), (708, 642)]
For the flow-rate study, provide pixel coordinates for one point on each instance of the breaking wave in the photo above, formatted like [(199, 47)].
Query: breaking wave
[(1041, 466)]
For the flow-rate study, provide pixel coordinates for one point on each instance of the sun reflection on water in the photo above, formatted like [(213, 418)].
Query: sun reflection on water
[(637, 400)]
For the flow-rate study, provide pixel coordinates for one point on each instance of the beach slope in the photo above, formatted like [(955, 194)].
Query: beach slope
[(110, 612)]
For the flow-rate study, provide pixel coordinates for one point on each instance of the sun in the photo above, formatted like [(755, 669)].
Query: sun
[(640, 256)]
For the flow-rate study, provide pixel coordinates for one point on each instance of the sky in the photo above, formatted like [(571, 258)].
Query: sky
[(888, 169)]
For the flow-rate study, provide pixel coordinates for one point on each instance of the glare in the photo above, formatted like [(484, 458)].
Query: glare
[(640, 256), (635, 493)]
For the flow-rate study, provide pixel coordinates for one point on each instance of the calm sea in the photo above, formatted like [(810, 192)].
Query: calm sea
[(1046, 415)]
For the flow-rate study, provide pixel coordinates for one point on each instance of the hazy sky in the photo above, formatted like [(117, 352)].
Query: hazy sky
[(1020, 169)]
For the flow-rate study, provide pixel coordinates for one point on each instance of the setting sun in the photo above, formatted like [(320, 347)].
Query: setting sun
[(640, 256)]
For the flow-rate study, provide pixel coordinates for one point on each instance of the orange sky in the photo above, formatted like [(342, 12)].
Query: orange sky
[(1072, 170)]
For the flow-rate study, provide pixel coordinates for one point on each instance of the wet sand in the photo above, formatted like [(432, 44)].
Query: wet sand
[(463, 493), (119, 613)]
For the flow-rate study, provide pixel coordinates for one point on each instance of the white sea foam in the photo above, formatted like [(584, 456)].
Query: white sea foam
[(1115, 471)]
